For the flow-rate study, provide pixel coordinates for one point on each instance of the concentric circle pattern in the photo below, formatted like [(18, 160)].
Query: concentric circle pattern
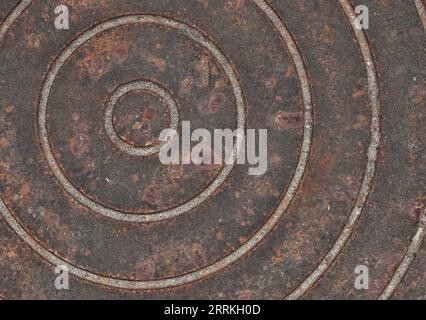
[(82, 185)]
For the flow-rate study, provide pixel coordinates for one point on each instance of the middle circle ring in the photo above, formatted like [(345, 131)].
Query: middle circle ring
[(192, 34)]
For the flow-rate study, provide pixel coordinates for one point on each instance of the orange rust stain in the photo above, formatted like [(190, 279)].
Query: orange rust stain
[(3, 143), (103, 53), (79, 144)]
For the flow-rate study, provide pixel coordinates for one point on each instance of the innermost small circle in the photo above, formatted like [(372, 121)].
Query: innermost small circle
[(133, 131), (139, 117)]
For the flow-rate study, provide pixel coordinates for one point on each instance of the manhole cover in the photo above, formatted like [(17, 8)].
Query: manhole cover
[(84, 102)]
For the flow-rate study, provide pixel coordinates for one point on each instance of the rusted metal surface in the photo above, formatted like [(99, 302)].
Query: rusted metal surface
[(80, 184)]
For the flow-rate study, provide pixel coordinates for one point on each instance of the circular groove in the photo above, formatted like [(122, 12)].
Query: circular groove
[(12, 17), (115, 97), (421, 9), (409, 256), (372, 152), (248, 245)]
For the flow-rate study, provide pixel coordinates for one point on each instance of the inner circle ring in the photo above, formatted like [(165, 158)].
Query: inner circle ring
[(115, 97), (231, 258), (55, 168)]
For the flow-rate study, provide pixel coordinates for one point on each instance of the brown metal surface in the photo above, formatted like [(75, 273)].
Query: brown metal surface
[(345, 185)]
